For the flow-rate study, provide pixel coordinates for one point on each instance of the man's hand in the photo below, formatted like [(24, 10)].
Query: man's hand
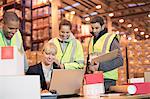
[(94, 67), (56, 61), (62, 66)]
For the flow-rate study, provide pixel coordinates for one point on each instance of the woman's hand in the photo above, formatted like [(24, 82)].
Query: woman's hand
[(44, 91)]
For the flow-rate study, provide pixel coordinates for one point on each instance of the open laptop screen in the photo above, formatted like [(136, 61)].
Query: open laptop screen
[(66, 82)]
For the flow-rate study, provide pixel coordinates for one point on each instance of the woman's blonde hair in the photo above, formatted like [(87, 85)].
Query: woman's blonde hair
[(49, 45)]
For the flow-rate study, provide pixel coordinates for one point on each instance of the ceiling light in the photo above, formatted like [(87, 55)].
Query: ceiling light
[(111, 14), (121, 20), (129, 25), (86, 9), (87, 19), (72, 12), (44, 1), (135, 40), (117, 32), (129, 38), (136, 29), (124, 35), (146, 36), (98, 6), (142, 33), (149, 15), (93, 13)]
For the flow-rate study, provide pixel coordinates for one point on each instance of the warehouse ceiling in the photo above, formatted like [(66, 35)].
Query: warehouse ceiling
[(128, 16), (134, 15)]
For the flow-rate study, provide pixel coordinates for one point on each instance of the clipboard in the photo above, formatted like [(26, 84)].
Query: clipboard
[(104, 57)]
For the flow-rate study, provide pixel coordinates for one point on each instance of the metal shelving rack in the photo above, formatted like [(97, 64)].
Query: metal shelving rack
[(18, 7), (39, 31)]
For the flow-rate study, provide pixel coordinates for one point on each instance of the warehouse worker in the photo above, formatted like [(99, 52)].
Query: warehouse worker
[(103, 42), (69, 50), (10, 35), (45, 67)]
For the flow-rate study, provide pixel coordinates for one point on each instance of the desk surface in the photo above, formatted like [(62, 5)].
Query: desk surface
[(145, 96)]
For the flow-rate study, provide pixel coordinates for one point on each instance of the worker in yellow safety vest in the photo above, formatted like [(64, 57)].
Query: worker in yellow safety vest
[(103, 42), (69, 50), (10, 34)]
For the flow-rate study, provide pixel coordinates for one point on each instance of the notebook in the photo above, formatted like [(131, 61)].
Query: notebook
[(20, 87), (66, 82)]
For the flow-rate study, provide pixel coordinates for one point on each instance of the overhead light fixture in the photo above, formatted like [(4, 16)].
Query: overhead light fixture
[(111, 14), (93, 13), (129, 25), (136, 29), (146, 36), (73, 12), (98, 6), (149, 15), (71, 6), (129, 38), (86, 9), (117, 32), (124, 35), (45, 1), (142, 33), (121, 20), (87, 19), (87, 15), (135, 40)]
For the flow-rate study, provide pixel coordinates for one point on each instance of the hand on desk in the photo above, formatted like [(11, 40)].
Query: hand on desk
[(44, 91)]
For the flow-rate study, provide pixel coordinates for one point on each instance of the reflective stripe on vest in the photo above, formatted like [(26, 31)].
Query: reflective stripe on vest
[(102, 45), (68, 55)]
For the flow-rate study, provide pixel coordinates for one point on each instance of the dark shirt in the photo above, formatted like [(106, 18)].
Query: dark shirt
[(37, 70), (99, 35)]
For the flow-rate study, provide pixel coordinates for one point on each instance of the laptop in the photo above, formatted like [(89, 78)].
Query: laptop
[(66, 82), (20, 87)]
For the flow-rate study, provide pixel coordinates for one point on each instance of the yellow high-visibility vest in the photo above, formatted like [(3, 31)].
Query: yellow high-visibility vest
[(102, 45), (16, 40), (73, 57)]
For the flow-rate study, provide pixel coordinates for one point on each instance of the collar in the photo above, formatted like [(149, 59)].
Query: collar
[(61, 41), (101, 33), (46, 67), (68, 40)]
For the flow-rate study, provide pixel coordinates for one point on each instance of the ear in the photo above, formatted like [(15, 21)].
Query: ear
[(2, 21), (103, 26)]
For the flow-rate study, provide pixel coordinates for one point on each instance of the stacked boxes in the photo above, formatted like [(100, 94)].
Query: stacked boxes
[(138, 60)]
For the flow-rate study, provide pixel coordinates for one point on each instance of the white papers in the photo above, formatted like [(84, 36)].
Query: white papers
[(136, 80), (93, 89)]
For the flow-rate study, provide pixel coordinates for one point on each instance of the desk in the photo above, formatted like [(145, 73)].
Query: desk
[(146, 96)]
